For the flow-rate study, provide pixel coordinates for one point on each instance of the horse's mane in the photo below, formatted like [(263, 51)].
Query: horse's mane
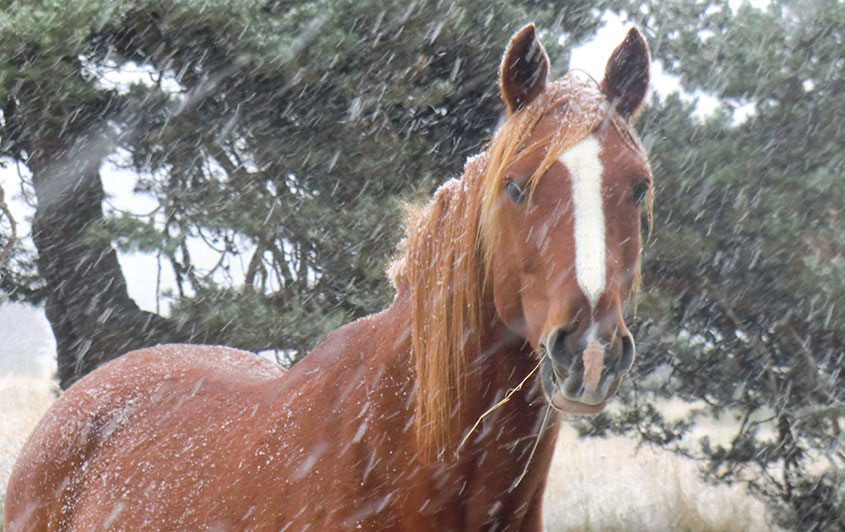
[(444, 260)]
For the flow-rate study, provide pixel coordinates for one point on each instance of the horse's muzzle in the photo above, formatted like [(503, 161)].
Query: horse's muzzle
[(579, 376)]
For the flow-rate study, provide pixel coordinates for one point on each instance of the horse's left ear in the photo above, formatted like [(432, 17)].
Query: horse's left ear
[(525, 67), (626, 75)]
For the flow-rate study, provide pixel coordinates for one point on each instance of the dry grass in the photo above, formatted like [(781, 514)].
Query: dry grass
[(606, 485), (27, 361), (23, 400)]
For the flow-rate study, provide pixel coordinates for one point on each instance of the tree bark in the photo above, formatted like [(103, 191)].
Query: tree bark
[(93, 318)]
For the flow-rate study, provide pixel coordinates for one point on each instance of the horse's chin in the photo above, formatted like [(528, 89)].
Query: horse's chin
[(553, 394), (562, 404)]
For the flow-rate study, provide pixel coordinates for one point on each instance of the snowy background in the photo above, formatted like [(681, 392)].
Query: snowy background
[(655, 490)]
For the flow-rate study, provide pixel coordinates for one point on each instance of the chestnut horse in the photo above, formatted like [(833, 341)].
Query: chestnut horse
[(527, 261)]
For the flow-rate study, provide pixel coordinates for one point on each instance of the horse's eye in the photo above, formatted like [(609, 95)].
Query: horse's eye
[(515, 191), (640, 190)]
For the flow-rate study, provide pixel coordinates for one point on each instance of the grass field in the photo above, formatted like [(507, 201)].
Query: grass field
[(608, 485), (23, 399)]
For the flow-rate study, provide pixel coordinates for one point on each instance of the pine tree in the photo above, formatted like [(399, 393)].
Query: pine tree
[(745, 271), (295, 132)]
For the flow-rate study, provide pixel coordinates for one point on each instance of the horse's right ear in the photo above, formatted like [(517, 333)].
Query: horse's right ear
[(525, 67)]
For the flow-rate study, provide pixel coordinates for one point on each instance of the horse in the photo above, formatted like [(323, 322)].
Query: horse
[(429, 415)]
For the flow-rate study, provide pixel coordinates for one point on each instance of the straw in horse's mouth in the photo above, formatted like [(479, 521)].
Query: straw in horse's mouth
[(549, 380), (557, 372)]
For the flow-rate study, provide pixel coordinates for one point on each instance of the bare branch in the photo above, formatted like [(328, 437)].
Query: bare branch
[(4, 209), (254, 263)]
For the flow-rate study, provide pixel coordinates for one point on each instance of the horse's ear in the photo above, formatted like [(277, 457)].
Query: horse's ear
[(525, 67), (626, 75)]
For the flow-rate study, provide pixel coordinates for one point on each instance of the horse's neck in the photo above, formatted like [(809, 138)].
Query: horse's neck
[(502, 361), (505, 458), (375, 354), (503, 369)]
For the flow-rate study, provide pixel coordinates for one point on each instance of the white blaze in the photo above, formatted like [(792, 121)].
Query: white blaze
[(585, 170)]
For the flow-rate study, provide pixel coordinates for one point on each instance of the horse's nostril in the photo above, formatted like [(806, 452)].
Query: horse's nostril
[(626, 360), (558, 351)]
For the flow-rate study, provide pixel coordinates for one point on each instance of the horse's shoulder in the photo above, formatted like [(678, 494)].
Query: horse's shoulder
[(369, 340)]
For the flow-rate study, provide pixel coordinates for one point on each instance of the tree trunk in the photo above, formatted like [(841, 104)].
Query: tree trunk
[(93, 318)]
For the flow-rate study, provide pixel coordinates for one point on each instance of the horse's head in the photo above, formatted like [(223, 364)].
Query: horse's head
[(567, 180)]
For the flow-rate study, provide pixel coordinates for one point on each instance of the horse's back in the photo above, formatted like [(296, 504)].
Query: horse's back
[(151, 387)]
